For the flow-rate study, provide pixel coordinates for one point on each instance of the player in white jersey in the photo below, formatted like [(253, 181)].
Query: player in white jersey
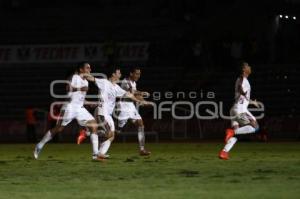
[(242, 121), (126, 109), (74, 109), (109, 90)]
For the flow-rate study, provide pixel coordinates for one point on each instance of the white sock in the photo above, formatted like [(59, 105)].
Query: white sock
[(104, 147), (230, 143), (47, 137), (141, 137), (244, 130), (95, 143)]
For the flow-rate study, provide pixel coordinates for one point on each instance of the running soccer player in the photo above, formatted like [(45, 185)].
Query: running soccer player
[(74, 110), (126, 109), (242, 121), (109, 90)]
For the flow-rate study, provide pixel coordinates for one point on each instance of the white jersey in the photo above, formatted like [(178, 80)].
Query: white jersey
[(108, 92), (242, 95), (77, 98), (127, 104)]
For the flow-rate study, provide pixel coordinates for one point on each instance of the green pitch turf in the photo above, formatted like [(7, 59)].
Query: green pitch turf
[(181, 170)]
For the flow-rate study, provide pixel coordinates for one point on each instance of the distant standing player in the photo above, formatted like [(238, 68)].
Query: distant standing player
[(74, 110), (126, 109), (243, 122)]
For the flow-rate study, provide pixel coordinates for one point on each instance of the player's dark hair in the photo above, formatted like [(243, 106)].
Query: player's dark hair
[(133, 69), (111, 70), (80, 65)]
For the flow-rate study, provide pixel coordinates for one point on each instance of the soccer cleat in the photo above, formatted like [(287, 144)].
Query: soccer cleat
[(100, 158), (229, 134), (145, 152), (36, 152), (224, 155), (81, 137)]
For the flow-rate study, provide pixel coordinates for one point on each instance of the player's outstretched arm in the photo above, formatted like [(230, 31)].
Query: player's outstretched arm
[(89, 77), (91, 104), (140, 101)]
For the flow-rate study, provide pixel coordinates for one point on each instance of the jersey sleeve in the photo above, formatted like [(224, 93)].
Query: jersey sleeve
[(101, 83), (75, 81), (119, 91), (125, 85)]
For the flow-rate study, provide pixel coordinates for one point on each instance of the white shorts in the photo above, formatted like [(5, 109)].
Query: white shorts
[(108, 123), (241, 119), (71, 112), (124, 115)]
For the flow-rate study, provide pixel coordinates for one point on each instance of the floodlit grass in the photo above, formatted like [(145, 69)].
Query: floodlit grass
[(174, 170)]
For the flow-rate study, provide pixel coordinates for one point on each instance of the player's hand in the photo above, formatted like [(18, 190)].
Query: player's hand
[(93, 105), (145, 94), (86, 74), (145, 103), (255, 103), (89, 77)]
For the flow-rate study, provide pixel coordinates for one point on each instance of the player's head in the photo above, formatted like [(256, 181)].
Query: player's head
[(135, 73), (114, 73), (245, 69), (83, 67)]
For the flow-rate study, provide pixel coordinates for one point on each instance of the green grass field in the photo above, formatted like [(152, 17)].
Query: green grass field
[(181, 170)]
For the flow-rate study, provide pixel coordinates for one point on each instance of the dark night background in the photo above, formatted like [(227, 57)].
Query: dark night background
[(184, 46)]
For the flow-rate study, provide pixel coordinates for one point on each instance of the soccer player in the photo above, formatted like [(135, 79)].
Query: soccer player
[(109, 90), (74, 110), (126, 109), (243, 122)]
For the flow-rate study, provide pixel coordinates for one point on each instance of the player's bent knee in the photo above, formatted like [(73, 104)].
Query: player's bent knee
[(111, 135), (255, 125), (92, 125), (140, 123)]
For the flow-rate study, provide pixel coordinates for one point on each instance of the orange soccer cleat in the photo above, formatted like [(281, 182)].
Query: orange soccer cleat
[(229, 134), (224, 155), (81, 137)]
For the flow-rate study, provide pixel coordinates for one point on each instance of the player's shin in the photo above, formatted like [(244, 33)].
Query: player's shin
[(230, 143), (104, 147), (141, 137), (95, 143), (47, 137)]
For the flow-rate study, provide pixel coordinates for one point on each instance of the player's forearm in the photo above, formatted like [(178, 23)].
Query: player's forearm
[(90, 103), (132, 97), (252, 101), (74, 89), (89, 77)]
